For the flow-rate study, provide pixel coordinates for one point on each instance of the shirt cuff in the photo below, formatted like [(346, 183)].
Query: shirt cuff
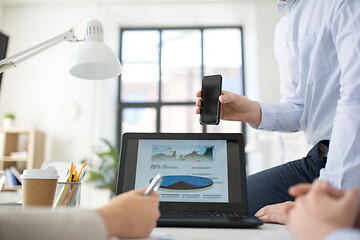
[(267, 117), (345, 233)]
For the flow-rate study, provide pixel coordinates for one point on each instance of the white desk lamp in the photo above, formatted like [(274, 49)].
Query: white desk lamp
[(94, 60)]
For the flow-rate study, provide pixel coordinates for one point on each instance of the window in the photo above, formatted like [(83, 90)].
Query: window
[(162, 71)]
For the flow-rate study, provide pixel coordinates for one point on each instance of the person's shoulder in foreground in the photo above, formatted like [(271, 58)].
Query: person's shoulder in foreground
[(129, 215), (41, 224)]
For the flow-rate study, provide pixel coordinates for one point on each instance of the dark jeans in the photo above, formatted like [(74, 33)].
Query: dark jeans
[(271, 186)]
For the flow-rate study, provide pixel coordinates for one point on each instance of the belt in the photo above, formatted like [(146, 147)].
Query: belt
[(323, 150)]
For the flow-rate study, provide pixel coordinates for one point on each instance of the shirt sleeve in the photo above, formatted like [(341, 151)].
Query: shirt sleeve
[(348, 234), (283, 116), (343, 163), (44, 224)]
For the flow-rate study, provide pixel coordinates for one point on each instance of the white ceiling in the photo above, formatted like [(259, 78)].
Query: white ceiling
[(61, 2)]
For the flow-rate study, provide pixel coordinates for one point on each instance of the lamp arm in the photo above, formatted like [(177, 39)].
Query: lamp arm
[(30, 52)]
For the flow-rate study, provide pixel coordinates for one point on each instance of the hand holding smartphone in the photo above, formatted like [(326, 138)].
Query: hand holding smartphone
[(210, 104)]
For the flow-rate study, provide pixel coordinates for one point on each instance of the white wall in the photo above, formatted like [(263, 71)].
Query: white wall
[(39, 90)]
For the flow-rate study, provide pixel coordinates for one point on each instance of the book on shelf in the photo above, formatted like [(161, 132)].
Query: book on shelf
[(19, 154), (8, 180), (11, 180), (16, 173), (2, 180)]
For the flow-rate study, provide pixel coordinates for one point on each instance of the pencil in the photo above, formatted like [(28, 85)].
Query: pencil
[(84, 164)]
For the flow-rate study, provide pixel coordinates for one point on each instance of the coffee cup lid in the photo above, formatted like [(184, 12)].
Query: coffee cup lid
[(47, 173)]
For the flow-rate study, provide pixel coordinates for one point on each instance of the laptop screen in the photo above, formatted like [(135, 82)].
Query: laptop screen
[(192, 170), (200, 171)]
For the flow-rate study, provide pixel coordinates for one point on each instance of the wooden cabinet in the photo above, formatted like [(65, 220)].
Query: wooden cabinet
[(21, 148)]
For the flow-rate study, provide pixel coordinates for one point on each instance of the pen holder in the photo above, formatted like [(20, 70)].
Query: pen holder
[(67, 194)]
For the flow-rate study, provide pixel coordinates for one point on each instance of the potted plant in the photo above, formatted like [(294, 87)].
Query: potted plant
[(8, 120), (104, 175)]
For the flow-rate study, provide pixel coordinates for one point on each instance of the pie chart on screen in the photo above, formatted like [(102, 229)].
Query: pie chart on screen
[(183, 182)]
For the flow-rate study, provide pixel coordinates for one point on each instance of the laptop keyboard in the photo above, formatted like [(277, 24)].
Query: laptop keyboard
[(202, 214)]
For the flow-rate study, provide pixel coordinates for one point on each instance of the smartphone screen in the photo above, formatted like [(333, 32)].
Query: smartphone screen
[(210, 105)]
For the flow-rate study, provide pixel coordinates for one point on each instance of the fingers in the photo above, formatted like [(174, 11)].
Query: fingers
[(299, 189), (334, 192), (198, 103), (198, 94), (288, 206), (140, 191), (227, 97), (267, 215), (322, 186), (262, 212), (222, 99), (155, 194), (318, 185), (276, 213), (351, 199)]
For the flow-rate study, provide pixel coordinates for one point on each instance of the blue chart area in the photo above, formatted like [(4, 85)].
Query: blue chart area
[(183, 182)]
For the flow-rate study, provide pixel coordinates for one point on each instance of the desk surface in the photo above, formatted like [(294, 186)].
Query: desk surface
[(266, 231)]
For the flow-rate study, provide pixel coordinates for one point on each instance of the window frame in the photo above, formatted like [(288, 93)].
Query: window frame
[(158, 104)]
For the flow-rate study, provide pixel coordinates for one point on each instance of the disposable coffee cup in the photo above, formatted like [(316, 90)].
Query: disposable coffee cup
[(39, 187)]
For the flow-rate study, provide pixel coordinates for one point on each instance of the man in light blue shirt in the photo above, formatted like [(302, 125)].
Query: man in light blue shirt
[(317, 46)]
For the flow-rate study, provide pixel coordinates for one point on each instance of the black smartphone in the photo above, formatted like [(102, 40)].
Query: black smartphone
[(210, 104)]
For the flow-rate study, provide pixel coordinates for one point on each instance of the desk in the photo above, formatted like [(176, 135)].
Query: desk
[(266, 231), (10, 197)]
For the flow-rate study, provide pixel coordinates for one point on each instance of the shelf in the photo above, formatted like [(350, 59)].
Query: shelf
[(18, 130), (12, 188), (20, 148), (21, 140), (14, 159)]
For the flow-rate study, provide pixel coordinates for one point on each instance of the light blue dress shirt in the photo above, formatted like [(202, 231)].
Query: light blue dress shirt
[(317, 46)]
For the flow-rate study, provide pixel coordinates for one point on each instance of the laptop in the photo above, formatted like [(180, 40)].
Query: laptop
[(203, 177)]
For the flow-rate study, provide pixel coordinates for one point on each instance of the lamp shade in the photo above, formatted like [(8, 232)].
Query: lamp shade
[(95, 61)]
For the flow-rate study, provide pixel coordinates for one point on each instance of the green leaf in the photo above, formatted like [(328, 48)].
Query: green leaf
[(105, 176)]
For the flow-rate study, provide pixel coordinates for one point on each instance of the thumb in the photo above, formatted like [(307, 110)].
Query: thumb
[(227, 97), (140, 191)]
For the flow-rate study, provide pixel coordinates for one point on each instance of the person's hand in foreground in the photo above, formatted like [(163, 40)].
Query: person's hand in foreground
[(322, 210), (275, 213), (279, 213), (131, 214), (304, 188), (235, 107)]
